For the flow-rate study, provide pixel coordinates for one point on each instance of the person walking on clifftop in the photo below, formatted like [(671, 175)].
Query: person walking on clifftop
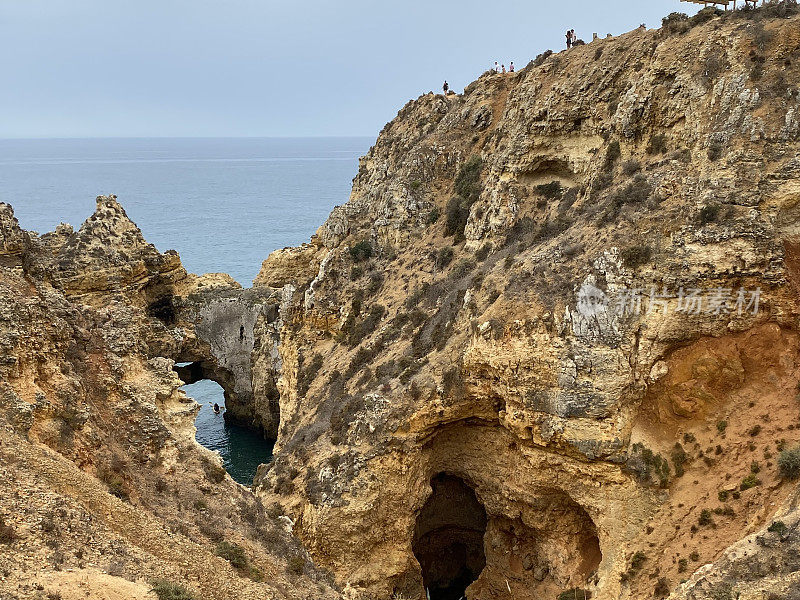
[(446, 88)]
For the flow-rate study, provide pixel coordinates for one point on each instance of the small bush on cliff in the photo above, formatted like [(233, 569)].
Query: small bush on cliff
[(361, 251), (637, 562), (749, 482), (631, 166), (539, 60), (443, 257), (636, 256), (789, 463), (233, 553), (648, 466), (676, 22), (166, 590), (467, 188), (778, 527), (296, 564), (679, 459)]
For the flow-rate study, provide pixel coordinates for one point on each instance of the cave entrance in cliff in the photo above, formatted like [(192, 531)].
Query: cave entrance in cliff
[(242, 449), (448, 538)]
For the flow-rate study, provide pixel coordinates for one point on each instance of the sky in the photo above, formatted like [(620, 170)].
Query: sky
[(231, 68)]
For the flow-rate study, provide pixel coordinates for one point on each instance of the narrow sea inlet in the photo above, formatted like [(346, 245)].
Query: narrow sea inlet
[(242, 449)]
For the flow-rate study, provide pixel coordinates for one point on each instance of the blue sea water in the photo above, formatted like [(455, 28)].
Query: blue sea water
[(223, 204)]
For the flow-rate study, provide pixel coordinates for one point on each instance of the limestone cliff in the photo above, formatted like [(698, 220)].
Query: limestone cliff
[(442, 341), (105, 490), (550, 344)]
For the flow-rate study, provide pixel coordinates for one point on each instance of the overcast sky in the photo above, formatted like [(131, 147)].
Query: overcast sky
[(91, 68)]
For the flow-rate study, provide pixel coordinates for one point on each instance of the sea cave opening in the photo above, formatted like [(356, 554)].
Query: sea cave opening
[(448, 538), (242, 449)]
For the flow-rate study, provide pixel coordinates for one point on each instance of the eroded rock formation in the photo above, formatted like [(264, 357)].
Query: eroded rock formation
[(549, 344)]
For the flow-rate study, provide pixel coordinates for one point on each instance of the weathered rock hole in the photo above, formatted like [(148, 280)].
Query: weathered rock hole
[(448, 538)]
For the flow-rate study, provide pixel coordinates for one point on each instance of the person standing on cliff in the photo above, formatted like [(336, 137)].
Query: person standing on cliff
[(446, 87), (569, 39), (511, 67), (496, 68)]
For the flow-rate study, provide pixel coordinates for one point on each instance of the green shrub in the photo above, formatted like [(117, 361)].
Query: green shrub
[(722, 426), (630, 167), (462, 267), (683, 565), (637, 191), (539, 60), (483, 252), (676, 22), (789, 463), (433, 215), (704, 518), (748, 482), (233, 553), (457, 214), (636, 256), (679, 459), (166, 590), (695, 556), (361, 251), (467, 187), (648, 466), (754, 430), (444, 257), (467, 183), (705, 15), (296, 564), (778, 527), (723, 495)]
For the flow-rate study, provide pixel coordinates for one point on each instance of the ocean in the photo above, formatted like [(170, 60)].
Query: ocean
[(223, 204)]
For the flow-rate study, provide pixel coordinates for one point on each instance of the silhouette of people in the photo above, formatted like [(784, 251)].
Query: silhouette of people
[(569, 39), (216, 408), (496, 67), (511, 67), (446, 87), (504, 69)]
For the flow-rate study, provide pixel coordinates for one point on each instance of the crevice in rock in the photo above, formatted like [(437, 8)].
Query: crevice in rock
[(448, 538)]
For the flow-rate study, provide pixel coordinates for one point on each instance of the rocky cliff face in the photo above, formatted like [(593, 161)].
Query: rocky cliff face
[(446, 326), (549, 345), (104, 488)]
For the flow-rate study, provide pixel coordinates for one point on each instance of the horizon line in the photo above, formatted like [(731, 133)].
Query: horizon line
[(187, 137)]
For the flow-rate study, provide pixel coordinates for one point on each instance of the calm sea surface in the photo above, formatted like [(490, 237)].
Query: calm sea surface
[(223, 204)]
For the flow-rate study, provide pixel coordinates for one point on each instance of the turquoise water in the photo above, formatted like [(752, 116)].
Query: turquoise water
[(223, 204), (242, 450)]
